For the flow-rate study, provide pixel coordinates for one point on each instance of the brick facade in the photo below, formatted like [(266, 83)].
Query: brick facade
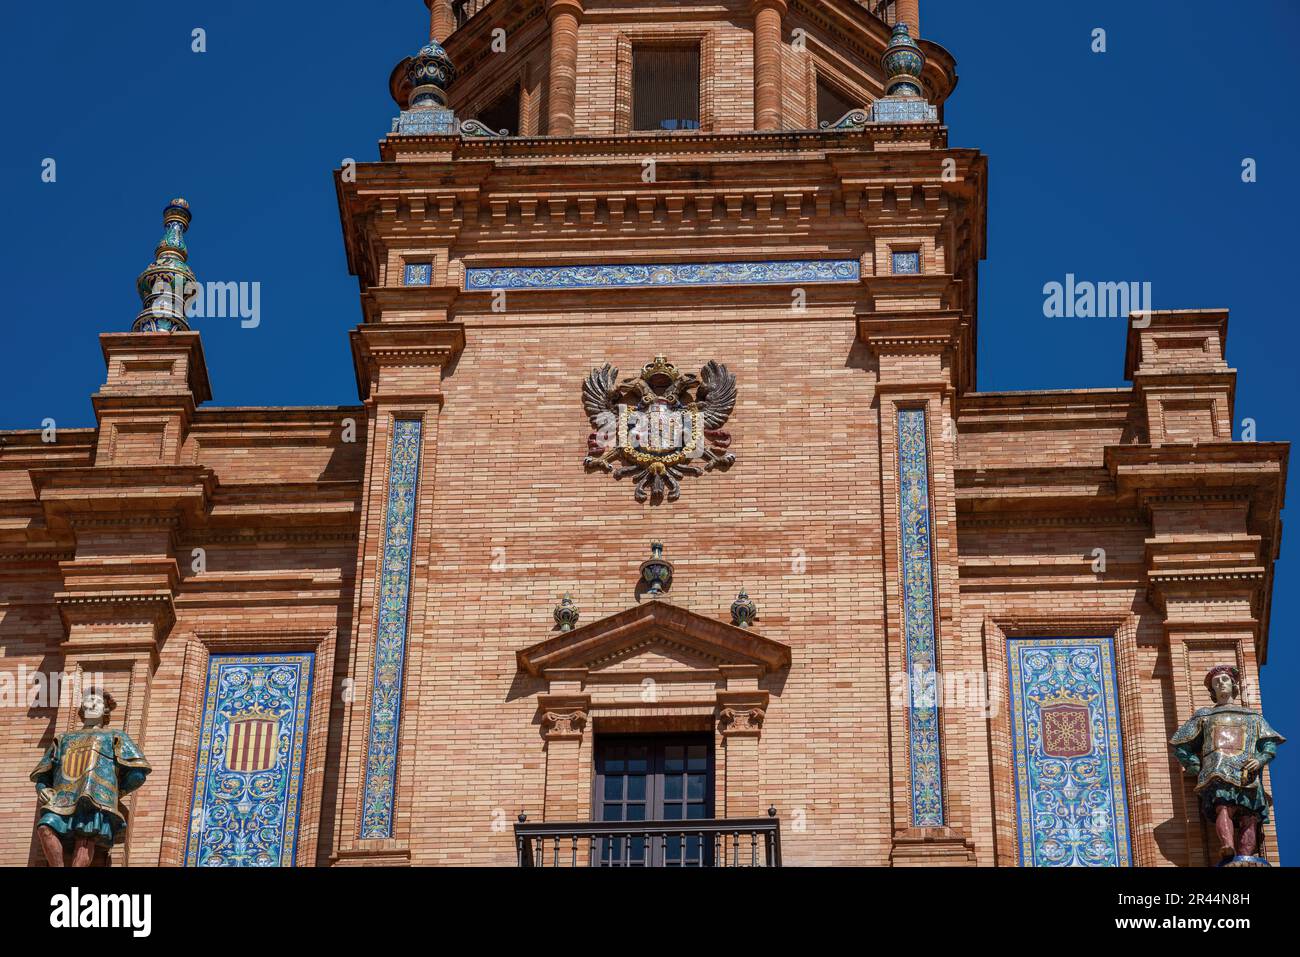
[(499, 710)]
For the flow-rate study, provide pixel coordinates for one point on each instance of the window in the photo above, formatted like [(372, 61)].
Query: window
[(831, 104), (503, 112), (665, 88), (907, 262), (654, 778)]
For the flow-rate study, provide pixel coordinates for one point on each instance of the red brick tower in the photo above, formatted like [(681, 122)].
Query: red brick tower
[(702, 275)]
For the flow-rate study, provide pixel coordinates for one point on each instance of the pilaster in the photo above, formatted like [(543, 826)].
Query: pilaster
[(564, 719), (917, 353), (399, 364)]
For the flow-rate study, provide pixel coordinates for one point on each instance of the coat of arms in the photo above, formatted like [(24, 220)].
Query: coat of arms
[(662, 424), (253, 741), (1067, 727)]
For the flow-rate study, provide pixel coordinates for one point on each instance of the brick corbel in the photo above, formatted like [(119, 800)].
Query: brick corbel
[(741, 713), (563, 717)]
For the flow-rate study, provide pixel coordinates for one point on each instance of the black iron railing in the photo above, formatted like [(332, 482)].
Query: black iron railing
[(736, 842)]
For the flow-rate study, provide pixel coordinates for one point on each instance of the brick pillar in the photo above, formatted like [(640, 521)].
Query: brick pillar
[(917, 354), (1213, 506), (563, 76), (442, 20), (767, 63), (564, 722), (126, 513), (399, 370), (740, 725), (909, 12)]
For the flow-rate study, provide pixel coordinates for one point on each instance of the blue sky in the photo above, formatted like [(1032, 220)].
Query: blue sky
[(1117, 166)]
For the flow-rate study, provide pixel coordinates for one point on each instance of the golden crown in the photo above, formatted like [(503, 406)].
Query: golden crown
[(660, 366)]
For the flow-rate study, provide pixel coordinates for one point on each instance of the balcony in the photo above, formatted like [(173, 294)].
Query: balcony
[(735, 842)]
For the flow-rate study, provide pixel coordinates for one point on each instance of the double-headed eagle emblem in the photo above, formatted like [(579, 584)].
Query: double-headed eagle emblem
[(662, 424)]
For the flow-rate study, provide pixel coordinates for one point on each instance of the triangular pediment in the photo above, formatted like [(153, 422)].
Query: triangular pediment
[(654, 635)]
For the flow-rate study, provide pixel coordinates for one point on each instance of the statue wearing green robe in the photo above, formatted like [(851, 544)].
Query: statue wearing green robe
[(80, 782), (1227, 746)]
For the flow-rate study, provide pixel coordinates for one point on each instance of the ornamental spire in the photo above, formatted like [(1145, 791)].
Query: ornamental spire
[(427, 76), (168, 280), (903, 62)]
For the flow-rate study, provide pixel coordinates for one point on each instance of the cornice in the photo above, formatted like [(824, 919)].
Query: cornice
[(128, 495), (161, 343), (601, 641), (702, 146), (376, 345)]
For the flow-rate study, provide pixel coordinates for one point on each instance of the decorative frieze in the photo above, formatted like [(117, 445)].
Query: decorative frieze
[(663, 274)]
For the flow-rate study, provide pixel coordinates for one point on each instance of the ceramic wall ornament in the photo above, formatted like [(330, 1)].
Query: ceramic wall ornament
[(566, 613), (656, 571), (660, 426)]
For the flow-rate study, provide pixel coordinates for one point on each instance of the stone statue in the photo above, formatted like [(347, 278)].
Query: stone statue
[(81, 780), (1226, 747)]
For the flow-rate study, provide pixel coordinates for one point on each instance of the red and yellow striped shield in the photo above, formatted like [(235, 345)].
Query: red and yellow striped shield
[(252, 744), (78, 759)]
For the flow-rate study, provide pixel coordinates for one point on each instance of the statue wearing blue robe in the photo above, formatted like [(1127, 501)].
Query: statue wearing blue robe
[(81, 781)]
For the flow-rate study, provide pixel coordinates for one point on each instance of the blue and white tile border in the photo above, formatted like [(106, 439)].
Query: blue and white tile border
[(663, 274), (918, 618), (391, 630)]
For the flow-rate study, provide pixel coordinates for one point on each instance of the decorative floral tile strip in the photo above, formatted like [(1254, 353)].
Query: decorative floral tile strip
[(390, 639), (249, 771), (1067, 753), (918, 618), (667, 274)]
